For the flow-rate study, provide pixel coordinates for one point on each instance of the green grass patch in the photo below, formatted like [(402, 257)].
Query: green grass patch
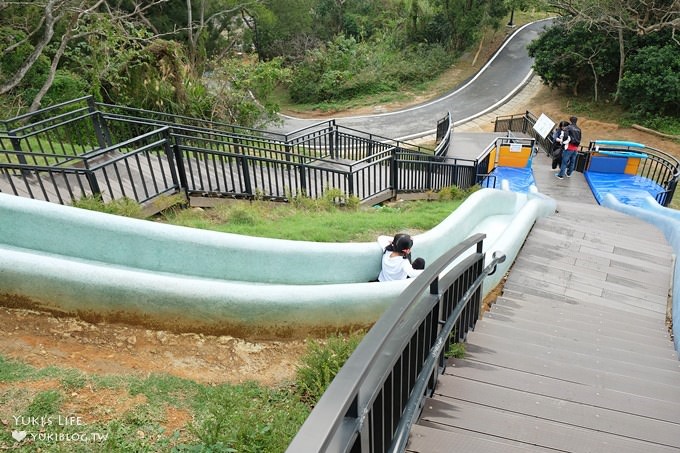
[(13, 370), (313, 222), (45, 404), (456, 351), (246, 418), (121, 206)]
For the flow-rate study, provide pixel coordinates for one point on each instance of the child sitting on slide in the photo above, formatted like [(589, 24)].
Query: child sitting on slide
[(396, 260)]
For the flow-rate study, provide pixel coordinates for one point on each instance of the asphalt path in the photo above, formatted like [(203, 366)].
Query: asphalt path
[(506, 72)]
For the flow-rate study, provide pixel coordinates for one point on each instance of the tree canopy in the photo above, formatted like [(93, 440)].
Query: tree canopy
[(223, 59), (623, 50)]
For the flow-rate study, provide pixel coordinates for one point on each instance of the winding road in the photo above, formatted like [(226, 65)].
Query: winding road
[(508, 70)]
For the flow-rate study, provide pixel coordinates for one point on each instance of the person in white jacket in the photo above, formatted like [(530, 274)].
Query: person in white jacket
[(396, 262)]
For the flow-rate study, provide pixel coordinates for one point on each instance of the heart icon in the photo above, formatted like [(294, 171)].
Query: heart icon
[(19, 435)]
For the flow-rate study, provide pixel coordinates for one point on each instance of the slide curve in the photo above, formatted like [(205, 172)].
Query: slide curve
[(103, 267)]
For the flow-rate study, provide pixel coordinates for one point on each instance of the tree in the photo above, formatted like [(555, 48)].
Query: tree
[(622, 18), (574, 57), (71, 16), (651, 84), (212, 19)]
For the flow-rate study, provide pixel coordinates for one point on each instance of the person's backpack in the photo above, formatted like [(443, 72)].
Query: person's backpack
[(575, 135)]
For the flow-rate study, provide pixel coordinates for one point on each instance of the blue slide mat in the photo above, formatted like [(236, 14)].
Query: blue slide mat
[(520, 179), (628, 189)]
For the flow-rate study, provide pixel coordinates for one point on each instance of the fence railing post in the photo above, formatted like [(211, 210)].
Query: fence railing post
[(16, 144), (99, 125), (350, 181), (334, 139), (175, 164), (94, 184), (394, 170), (302, 172), (246, 177)]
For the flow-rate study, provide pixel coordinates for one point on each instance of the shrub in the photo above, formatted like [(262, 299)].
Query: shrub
[(347, 69), (456, 350), (452, 193), (322, 362), (651, 83), (121, 206), (66, 86)]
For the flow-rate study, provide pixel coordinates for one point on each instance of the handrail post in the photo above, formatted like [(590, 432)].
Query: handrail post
[(94, 184), (394, 170), (97, 121), (170, 155), (350, 182), (246, 177), (179, 163), (334, 141), (16, 144), (303, 179)]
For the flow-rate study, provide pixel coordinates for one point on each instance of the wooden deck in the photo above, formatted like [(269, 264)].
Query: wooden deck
[(575, 355)]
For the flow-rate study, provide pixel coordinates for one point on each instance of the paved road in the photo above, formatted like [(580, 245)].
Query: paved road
[(500, 79)]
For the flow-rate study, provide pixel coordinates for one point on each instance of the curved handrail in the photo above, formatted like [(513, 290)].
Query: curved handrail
[(419, 392), (444, 140), (339, 420)]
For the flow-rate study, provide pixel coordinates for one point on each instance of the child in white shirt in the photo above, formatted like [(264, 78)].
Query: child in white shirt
[(396, 263)]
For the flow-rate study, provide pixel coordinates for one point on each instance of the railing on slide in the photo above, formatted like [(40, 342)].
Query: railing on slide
[(377, 395)]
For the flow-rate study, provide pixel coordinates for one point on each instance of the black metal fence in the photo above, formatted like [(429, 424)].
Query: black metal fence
[(523, 123), (83, 148), (443, 137), (377, 395), (658, 166)]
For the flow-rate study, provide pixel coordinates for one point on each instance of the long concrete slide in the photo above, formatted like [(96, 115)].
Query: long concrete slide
[(103, 267)]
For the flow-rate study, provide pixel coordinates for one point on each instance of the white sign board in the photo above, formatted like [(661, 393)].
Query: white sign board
[(515, 147), (544, 125)]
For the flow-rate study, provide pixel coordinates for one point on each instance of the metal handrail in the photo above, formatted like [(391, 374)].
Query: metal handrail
[(418, 393), (331, 147), (341, 419)]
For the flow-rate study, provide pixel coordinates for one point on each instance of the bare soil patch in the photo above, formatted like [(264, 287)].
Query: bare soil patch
[(42, 339)]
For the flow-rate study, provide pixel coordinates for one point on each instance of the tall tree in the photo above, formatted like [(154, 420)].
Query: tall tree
[(622, 18), (72, 17)]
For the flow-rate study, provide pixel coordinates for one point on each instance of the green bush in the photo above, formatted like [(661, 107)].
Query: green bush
[(456, 350), (667, 124), (66, 86), (651, 83), (452, 193), (322, 362), (347, 69)]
